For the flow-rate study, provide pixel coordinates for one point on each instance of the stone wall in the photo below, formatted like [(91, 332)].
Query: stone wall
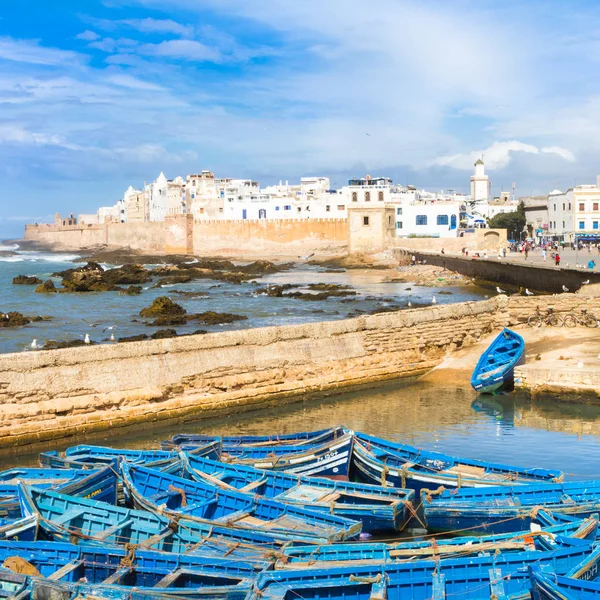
[(260, 237), (49, 395), (479, 239), (521, 307)]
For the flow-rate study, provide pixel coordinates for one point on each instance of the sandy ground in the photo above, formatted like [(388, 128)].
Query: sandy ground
[(555, 349)]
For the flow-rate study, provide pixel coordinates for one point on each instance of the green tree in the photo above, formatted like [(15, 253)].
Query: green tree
[(513, 222)]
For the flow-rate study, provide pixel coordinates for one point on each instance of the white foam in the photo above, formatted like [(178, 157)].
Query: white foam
[(32, 256), (4, 248)]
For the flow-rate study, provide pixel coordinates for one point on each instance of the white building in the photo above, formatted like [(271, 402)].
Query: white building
[(586, 212), (560, 215), (176, 197), (157, 198), (427, 218)]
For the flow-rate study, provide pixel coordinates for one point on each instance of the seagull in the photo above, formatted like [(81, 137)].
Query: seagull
[(112, 337), (91, 324), (34, 345), (433, 300), (585, 282), (528, 293), (367, 134), (87, 340), (565, 288), (307, 256), (409, 304), (109, 328), (500, 291)]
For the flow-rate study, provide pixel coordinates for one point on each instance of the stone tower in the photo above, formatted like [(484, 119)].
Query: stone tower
[(480, 183)]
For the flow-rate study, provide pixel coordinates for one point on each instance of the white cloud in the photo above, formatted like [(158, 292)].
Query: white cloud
[(15, 134), (127, 81), (499, 155), (29, 51), (87, 36), (150, 25), (189, 50)]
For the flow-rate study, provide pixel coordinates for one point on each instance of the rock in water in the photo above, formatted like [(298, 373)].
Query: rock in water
[(162, 306), (26, 280), (214, 318), (47, 287), (132, 290)]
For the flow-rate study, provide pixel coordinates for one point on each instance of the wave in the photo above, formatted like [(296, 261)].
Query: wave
[(12, 248), (33, 256)]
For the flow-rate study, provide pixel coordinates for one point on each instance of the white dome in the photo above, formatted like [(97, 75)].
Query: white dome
[(554, 193)]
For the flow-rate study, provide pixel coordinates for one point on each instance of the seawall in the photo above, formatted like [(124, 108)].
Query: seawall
[(50, 395), (534, 277)]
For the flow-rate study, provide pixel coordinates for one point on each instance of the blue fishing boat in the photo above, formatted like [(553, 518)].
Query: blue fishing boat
[(382, 462), (504, 575), (64, 518), (100, 484), (494, 371), (161, 492), (116, 572), (86, 457), (25, 528), (503, 509), (538, 536), (331, 459), (377, 508), (289, 439)]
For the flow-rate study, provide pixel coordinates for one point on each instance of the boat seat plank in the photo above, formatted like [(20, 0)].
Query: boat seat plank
[(156, 538), (108, 532), (168, 580), (216, 481), (241, 516), (65, 570), (69, 515), (252, 485), (470, 470), (116, 576)]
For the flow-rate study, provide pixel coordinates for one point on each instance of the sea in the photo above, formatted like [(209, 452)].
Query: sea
[(75, 315)]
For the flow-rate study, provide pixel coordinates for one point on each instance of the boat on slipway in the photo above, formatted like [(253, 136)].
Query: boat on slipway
[(378, 508), (65, 518), (183, 441), (117, 572), (495, 370), (503, 509), (378, 461), (167, 494), (538, 536), (490, 575)]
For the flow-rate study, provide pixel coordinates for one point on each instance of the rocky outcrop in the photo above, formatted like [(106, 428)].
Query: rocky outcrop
[(165, 313), (132, 290), (26, 280), (323, 291), (47, 287), (16, 319), (214, 318)]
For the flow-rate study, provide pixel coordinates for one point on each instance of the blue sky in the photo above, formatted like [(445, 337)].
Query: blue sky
[(100, 94)]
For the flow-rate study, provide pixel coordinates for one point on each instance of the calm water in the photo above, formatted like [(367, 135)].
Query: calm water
[(73, 314), (508, 429)]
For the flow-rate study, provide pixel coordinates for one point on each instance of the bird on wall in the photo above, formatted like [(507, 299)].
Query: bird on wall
[(528, 293), (34, 345), (585, 282), (433, 300), (500, 291), (87, 340), (565, 288)]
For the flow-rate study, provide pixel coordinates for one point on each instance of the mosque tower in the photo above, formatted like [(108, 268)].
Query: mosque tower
[(480, 184)]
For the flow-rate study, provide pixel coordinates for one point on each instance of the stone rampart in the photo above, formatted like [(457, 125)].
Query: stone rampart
[(49, 395)]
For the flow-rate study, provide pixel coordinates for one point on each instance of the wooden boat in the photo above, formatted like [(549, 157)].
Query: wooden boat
[(377, 508), (382, 462), (540, 537), (86, 457), (581, 583), (494, 371), (331, 459), (64, 518), (161, 492), (116, 572), (502, 509), (100, 484), (503, 575), (288, 439), (25, 528)]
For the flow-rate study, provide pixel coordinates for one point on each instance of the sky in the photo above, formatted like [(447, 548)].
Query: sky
[(102, 94)]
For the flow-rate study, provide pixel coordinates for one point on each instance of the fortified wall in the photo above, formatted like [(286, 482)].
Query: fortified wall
[(55, 394)]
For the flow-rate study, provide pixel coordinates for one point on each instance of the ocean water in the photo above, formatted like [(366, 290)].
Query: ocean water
[(75, 315)]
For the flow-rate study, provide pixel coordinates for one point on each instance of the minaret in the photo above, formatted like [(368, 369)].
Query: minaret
[(479, 183)]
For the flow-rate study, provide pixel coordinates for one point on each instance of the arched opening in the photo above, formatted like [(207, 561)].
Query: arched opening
[(367, 196), (262, 213)]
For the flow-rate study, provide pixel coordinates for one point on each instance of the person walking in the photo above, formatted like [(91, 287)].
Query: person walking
[(544, 253), (557, 259)]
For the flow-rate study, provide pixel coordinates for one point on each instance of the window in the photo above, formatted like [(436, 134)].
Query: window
[(365, 220), (287, 207), (595, 206), (277, 208), (421, 220), (327, 208), (569, 206), (398, 211), (581, 224), (389, 221), (398, 224), (354, 197), (380, 196), (563, 224), (595, 225), (341, 207), (299, 209), (563, 206), (367, 196), (442, 219), (582, 206)]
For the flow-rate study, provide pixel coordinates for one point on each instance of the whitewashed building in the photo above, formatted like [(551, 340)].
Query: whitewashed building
[(560, 215)]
